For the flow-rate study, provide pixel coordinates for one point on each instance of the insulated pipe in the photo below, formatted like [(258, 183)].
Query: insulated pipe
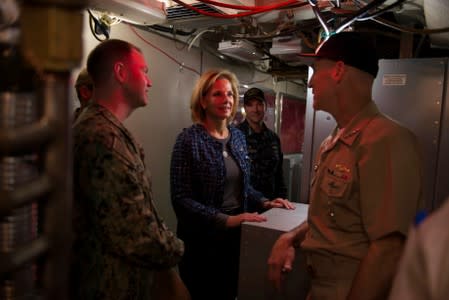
[(27, 253), (58, 209), (22, 140), (50, 44), (18, 109), (26, 194)]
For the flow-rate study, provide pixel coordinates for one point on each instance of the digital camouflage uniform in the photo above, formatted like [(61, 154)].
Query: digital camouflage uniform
[(119, 238), (264, 150)]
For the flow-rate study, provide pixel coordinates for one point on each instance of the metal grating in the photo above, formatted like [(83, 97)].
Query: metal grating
[(177, 12)]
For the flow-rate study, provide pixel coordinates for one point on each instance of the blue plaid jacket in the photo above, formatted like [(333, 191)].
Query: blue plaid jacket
[(197, 179)]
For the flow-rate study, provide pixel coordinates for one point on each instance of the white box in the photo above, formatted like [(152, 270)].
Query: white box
[(256, 243)]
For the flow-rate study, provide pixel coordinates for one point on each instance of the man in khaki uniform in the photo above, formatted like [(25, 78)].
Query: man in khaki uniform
[(366, 183)]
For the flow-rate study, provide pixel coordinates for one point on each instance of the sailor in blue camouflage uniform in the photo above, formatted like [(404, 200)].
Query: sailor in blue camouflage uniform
[(120, 240), (264, 147)]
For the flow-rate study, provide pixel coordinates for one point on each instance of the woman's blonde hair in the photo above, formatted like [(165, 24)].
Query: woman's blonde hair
[(204, 84)]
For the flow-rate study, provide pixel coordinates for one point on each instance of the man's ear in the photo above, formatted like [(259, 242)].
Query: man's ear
[(120, 72), (338, 71)]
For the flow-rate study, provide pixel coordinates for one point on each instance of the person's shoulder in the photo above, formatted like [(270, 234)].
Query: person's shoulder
[(237, 136), (191, 131), (96, 130), (243, 126), (438, 219), (432, 233), (191, 134), (236, 131), (271, 133), (384, 126)]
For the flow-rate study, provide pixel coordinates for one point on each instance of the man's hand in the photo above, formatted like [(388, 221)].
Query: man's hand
[(281, 259)]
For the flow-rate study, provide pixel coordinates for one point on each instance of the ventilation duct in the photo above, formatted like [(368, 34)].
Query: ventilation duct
[(287, 48), (183, 17), (241, 50), (436, 12)]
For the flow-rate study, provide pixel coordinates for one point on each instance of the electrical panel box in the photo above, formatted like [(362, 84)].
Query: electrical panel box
[(256, 243)]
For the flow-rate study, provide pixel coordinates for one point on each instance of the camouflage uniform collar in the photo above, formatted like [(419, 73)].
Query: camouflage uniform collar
[(116, 122)]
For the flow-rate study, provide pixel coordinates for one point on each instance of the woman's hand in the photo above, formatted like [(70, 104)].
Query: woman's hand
[(235, 221), (279, 203)]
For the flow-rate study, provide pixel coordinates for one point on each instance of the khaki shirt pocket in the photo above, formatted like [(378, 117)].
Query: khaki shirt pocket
[(334, 187)]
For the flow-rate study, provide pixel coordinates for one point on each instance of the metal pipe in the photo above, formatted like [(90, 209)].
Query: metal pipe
[(27, 253), (27, 193), (44, 143), (25, 139), (58, 166)]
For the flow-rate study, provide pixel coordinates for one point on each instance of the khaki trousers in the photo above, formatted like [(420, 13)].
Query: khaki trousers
[(331, 276)]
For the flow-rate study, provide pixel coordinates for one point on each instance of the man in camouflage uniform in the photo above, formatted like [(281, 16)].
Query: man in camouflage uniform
[(264, 147), (84, 89), (120, 240)]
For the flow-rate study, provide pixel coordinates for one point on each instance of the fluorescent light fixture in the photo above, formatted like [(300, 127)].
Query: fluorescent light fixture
[(135, 11), (286, 48), (241, 50)]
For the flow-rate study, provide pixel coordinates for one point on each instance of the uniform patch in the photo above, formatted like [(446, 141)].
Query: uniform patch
[(340, 171)]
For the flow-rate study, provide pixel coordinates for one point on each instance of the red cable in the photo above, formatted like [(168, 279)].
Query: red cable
[(240, 7)]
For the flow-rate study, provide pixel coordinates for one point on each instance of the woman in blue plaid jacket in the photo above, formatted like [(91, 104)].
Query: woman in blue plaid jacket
[(210, 189)]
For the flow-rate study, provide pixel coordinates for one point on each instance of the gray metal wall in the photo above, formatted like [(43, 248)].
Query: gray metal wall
[(414, 92)]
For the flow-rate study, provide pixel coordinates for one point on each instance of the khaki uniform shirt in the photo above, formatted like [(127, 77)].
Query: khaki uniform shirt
[(366, 184), (119, 237)]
